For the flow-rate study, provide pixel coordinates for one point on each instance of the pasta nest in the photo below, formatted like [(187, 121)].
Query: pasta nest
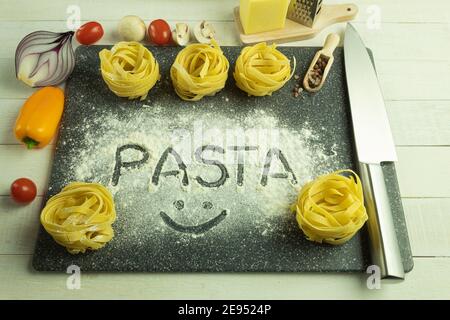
[(80, 217), (331, 208), (129, 69), (199, 70), (262, 69)]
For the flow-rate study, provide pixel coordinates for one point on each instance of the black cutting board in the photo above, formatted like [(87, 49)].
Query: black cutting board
[(199, 210)]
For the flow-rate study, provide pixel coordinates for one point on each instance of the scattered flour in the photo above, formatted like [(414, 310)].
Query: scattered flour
[(155, 130)]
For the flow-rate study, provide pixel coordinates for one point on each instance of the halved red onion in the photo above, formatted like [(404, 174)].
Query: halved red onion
[(45, 58)]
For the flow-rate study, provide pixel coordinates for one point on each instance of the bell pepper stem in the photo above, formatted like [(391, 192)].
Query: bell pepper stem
[(30, 143)]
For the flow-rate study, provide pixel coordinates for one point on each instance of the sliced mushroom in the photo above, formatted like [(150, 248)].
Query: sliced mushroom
[(181, 34), (204, 32)]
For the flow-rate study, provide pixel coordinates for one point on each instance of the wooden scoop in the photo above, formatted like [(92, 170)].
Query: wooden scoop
[(320, 66)]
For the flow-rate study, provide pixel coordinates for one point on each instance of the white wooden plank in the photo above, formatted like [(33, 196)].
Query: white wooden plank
[(20, 223), (420, 122), (108, 10), (414, 80), (424, 171), (9, 109), (10, 87), (390, 11), (428, 221), (405, 11), (391, 41), (428, 280), (17, 162)]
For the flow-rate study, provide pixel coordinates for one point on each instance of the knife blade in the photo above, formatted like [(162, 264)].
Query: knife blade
[(373, 135), (374, 145)]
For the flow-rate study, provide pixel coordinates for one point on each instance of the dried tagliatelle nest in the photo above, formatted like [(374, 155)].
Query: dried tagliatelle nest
[(199, 70), (331, 208), (80, 217), (262, 69), (129, 69)]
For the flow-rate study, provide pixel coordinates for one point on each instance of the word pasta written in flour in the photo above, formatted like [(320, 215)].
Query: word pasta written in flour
[(272, 155)]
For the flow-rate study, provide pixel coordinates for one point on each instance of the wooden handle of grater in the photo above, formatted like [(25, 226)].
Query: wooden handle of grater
[(331, 43), (335, 13)]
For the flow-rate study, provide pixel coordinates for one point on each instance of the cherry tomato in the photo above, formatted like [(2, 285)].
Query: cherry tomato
[(23, 190), (159, 32), (89, 33)]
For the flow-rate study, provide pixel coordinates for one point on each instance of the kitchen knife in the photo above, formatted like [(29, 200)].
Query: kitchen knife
[(374, 145)]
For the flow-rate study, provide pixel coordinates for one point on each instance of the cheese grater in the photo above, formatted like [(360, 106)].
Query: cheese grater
[(304, 11)]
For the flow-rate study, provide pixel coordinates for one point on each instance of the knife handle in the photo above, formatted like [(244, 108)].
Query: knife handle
[(385, 251)]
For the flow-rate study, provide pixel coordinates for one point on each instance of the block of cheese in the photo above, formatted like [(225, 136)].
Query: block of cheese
[(262, 15)]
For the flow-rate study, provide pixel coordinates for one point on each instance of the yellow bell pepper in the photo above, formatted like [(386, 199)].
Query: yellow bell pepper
[(39, 117)]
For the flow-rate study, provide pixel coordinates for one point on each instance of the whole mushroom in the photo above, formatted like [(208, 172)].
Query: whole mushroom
[(132, 28)]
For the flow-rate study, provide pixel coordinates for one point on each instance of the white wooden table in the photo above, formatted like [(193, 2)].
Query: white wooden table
[(411, 48)]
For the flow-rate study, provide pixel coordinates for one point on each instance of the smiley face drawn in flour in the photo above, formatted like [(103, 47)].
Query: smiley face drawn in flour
[(194, 229), (181, 174)]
